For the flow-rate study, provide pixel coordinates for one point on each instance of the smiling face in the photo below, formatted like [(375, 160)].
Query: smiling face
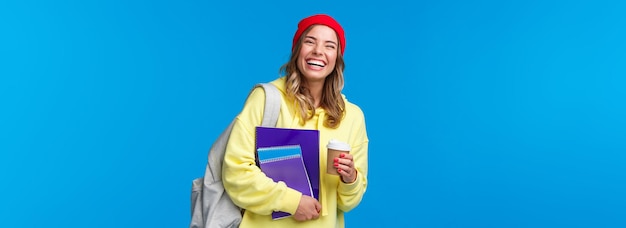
[(318, 53)]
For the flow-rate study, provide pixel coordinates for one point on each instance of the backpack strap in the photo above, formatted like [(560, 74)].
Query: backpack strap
[(210, 205), (272, 105)]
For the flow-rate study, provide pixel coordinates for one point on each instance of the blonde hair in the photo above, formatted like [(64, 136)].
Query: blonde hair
[(331, 101)]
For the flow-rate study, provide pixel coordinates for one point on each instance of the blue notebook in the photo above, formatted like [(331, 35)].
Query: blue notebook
[(285, 163), (309, 141)]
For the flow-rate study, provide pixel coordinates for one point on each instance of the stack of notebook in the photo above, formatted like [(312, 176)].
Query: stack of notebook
[(291, 156)]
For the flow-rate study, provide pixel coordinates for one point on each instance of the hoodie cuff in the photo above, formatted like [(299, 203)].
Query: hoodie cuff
[(291, 201), (349, 188)]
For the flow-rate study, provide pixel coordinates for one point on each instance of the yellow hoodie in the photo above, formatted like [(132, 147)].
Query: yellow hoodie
[(250, 189)]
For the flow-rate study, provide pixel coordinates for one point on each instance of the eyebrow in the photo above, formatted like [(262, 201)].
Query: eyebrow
[(328, 41)]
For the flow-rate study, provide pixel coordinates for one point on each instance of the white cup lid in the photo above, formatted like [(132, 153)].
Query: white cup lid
[(338, 145)]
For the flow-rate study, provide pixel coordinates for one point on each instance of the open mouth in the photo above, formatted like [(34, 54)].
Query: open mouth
[(314, 62)]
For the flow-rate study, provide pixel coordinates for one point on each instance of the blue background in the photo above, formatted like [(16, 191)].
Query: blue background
[(479, 113)]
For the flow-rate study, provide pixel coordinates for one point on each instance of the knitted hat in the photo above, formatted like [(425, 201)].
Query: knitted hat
[(320, 19)]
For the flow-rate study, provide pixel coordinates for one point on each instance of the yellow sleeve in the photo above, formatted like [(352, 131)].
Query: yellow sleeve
[(350, 195), (244, 182)]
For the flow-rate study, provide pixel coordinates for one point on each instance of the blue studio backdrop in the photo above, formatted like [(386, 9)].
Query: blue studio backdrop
[(479, 113)]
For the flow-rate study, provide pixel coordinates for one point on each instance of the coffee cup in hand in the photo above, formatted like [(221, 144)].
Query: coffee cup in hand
[(335, 148)]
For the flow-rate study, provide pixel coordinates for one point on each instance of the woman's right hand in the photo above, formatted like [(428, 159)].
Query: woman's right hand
[(308, 209)]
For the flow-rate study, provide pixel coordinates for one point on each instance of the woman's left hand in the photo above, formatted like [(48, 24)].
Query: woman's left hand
[(345, 168)]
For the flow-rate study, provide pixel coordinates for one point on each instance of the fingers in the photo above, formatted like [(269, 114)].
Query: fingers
[(318, 207), (347, 175), (346, 156), (308, 209), (346, 160), (345, 168)]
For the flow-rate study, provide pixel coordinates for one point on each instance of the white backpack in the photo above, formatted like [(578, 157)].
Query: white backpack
[(210, 204)]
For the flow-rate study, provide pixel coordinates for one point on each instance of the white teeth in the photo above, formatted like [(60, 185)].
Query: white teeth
[(315, 62)]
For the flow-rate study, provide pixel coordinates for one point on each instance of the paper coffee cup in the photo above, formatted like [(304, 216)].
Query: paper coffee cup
[(335, 148)]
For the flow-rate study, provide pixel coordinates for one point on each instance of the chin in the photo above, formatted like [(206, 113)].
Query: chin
[(315, 77)]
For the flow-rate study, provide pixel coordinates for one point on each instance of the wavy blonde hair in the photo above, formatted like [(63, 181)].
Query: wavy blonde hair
[(331, 101)]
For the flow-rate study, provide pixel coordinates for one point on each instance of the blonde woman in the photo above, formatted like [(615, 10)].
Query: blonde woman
[(310, 85)]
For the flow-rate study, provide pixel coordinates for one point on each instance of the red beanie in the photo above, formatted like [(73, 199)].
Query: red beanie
[(320, 19)]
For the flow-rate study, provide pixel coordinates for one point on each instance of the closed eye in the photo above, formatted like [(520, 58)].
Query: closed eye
[(331, 44), (309, 40)]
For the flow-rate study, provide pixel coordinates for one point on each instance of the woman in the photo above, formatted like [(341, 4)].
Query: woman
[(311, 99)]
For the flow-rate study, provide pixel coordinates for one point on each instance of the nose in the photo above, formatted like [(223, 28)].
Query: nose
[(318, 49)]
